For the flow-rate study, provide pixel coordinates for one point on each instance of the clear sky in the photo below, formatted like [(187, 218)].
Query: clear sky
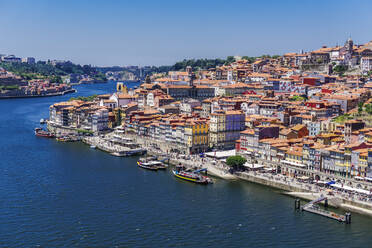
[(140, 32)]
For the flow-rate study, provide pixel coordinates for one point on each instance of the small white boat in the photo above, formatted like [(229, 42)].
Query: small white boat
[(42, 121), (93, 147)]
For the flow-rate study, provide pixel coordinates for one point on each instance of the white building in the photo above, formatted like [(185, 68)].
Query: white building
[(188, 105), (122, 99), (150, 101), (252, 109), (100, 120), (11, 59), (28, 60), (314, 128), (108, 103), (366, 64)]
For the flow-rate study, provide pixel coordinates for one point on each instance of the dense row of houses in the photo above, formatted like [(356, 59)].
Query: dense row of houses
[(327, 152), (270, 109)]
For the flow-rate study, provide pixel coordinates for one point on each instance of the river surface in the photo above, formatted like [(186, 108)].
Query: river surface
[(56, 194)]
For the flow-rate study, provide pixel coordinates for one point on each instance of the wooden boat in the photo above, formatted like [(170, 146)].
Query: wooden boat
[(162, 166), (67, 139), (42, 133), (149, 165), (62, 139), (191, 177)]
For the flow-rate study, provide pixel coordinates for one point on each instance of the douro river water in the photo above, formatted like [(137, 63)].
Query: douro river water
[(67, 195)]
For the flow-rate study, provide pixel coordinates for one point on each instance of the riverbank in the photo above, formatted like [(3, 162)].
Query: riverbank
[(283, 183), (37, 96), (333, 201), (116, 148), (158, 148), (309, 192), (93, 82), (117, 144)]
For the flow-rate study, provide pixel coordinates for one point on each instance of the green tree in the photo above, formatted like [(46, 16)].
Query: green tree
[(84, 98), (230, 59), (236, 162), (340, 69), (250, 59), (56, 79), (368, 108), (319, 60), (47, 70), (147, 79), (360, 107), (297, 98)]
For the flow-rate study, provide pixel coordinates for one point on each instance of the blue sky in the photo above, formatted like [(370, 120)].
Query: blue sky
[(163, 32)]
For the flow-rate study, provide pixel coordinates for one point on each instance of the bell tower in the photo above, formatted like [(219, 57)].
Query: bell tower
[(190, 75), (120, 87), (349, 45)]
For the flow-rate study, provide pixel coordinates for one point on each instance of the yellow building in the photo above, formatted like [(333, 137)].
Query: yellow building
[(294, 155), (120, 87), (196, 135), (363, 163)]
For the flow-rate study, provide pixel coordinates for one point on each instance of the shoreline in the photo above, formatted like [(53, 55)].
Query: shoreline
[(37, 96), (289, 186), (300, 190), (99, 82)]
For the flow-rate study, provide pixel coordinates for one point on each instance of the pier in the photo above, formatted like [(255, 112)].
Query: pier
[(313, 207), (119, 148)]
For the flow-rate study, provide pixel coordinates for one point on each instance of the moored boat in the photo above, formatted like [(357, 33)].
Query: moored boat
[(42, 133), (67, 138), (191, 177), (162, 166), (149, 165)]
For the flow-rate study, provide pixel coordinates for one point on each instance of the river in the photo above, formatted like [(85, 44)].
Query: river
[(67, 195)]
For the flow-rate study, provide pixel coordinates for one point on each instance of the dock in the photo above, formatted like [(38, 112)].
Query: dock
[(313, 207), (114, 147)]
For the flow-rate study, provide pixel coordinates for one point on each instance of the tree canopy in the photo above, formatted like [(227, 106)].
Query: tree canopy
[(297, 98), (340, 69), (236, 161), (42, 70), (84, 98)]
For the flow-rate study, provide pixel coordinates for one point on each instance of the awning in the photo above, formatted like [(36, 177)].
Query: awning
[(253, 166), (368, 179), (331, 182), (293, 163), (303, 178), (321, 182), (345, 187), (221, 154)]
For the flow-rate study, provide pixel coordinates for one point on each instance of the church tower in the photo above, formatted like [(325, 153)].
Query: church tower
[(121, 88), (349, 45), (147, 79), (190, 75)]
